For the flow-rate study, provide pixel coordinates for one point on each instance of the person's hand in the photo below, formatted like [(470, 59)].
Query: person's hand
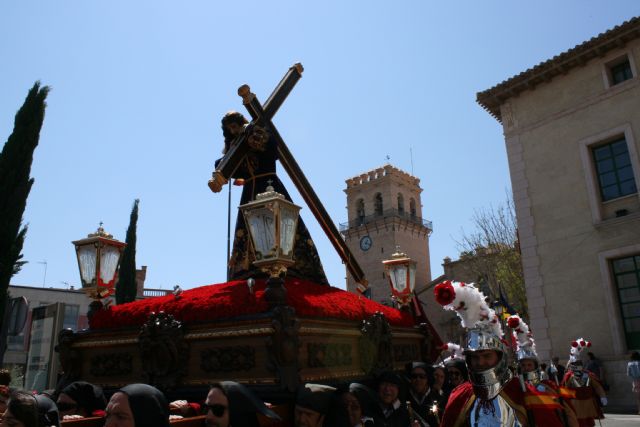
[(604, 401), (178, 405), (72, 417)]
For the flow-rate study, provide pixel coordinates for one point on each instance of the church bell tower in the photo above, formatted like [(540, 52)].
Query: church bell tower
[(385, 212)]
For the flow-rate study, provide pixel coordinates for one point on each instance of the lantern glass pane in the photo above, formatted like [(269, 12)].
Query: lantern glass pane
[(399, 277), (87, 262), (261, 223), (109, 257), (412, 277), (288, 218)]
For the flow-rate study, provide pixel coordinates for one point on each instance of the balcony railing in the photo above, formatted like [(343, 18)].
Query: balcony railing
[(148, 292), (389, 213)]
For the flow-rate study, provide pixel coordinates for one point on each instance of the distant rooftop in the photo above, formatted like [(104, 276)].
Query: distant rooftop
[(617, 37)]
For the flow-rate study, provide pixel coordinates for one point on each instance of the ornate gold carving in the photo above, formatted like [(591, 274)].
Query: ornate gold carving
[(306, 330), (227, 359), (111, 364), (163, 351), (105, 343), (375, 345), (321, 355), (283, 347), (406, 352), (225, 334)]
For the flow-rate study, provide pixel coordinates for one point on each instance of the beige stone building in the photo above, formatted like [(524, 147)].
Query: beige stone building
[(385, 212), (572, 132)]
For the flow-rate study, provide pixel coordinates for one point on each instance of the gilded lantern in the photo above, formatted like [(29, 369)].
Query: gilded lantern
[(98, 259), (401, 271)]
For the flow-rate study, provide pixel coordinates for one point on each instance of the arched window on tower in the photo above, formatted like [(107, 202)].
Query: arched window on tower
[(377, 203), (400, 204), (412, 208), (360, 211)]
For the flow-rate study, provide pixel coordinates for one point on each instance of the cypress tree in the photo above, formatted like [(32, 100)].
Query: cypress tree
[(127, 288), (15, 184)]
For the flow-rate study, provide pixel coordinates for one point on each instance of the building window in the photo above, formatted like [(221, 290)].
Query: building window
[(377, 203), (626, 273), (400, 204), (620, 71), (613, 169), (360, 211), (412, 208)]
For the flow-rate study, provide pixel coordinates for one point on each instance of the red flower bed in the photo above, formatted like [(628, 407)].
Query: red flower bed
[(232, 299)]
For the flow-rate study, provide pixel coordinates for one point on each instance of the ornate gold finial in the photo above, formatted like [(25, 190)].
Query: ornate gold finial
[(398, 253), (101, 233), (269, 193)]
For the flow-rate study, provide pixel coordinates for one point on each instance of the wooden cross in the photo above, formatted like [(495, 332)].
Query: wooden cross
[(262, 115)]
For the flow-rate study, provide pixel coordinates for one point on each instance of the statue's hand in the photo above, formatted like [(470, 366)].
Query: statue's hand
[(217, 182)]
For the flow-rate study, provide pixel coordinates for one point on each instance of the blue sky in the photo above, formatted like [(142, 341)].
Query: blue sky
[(138, 90)]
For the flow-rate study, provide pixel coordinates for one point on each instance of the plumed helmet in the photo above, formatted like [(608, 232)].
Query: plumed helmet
[(526, 346), (577, 347), (484, 332)]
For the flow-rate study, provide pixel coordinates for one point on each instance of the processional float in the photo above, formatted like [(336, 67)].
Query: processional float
[(182, 342)]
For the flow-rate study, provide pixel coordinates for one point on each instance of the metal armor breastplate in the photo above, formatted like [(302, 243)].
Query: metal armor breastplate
[(582, 381), (493, 413)]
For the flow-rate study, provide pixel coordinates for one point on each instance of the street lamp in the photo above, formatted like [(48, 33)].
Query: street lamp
[(272, 222), (401, 271), (98, 258)]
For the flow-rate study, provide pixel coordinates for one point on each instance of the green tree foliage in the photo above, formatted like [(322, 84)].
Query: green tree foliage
[(492, 253), (15, 184), (127, 287)]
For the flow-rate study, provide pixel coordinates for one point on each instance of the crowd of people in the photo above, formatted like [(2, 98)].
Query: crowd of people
[(488, 382)]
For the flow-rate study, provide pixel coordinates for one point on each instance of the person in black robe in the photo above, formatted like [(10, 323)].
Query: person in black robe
[(256, 172), (138, 405)]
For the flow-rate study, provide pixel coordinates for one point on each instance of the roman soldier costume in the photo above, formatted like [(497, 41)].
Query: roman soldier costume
[(589, 393), (547, 398), (492, 397)]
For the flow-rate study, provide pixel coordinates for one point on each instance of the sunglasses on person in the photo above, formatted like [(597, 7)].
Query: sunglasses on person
[(217, 410), (66, 406), (418, 377)]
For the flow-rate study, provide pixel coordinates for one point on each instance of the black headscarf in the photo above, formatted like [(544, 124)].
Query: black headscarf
[(47, 411), (24, 407), (428, 370), (148, 405), (460, 365), (244, 404), (88, 396)]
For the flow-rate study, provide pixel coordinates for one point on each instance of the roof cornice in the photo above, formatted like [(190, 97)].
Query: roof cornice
[(615, 38)]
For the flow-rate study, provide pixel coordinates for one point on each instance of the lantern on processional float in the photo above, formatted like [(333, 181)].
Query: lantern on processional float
[(401, 271), (272, 222), (98, 259)]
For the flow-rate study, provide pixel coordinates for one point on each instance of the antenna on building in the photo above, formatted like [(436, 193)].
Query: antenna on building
[(411, 156), (387, 158), (44, 279)]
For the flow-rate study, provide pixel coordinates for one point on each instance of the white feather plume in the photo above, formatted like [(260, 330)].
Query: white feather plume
[(472, 309), (524, 336)]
